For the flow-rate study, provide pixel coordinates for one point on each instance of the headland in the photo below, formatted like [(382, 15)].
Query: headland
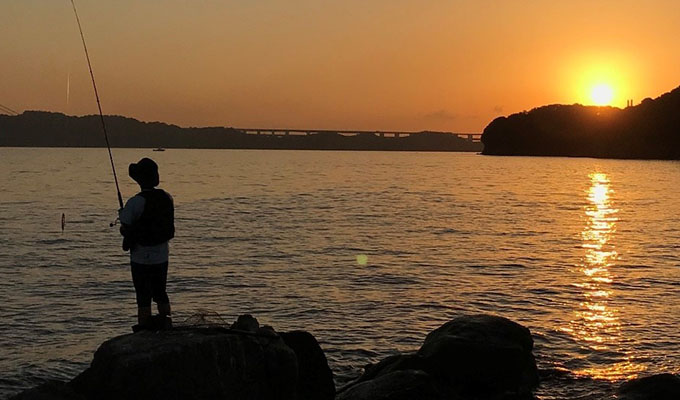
[(649, 130), (49, 129)]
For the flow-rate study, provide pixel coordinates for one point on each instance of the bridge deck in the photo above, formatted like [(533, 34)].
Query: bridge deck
[(473, 137)]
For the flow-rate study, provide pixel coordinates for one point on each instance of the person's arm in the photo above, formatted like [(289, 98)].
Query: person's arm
[(132, 211), (128, 215)]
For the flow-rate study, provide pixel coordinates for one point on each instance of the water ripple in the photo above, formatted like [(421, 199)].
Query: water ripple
[(368, 251)]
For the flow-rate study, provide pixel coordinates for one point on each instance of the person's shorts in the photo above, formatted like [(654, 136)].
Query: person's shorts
[(149, 281)]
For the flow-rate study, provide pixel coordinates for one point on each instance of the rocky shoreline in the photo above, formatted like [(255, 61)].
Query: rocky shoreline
[(470, 357)]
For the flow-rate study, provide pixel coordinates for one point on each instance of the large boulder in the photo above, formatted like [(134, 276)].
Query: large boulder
[(191, 364), (245, 361), (406, 384), (469, 357), (315, 380), (655, 387), (482, 355), (51, 390)]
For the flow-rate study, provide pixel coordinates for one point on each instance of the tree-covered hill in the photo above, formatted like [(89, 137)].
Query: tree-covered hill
[(650, 130)]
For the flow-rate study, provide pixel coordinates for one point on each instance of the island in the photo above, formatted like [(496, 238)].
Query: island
[(50, 129), (649, 130)]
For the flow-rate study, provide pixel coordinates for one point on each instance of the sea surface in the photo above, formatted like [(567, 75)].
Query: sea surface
[(369, 251)]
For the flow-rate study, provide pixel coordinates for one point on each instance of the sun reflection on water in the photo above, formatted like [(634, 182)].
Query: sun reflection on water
[(596, 323)]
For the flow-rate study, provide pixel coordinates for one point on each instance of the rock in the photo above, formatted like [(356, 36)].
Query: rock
[(246, 322), (655, 387), (205, 362), (398, 385), (52, 390), (482, 355), (398, 362), (315, 378), (190, 364), (477, 356)]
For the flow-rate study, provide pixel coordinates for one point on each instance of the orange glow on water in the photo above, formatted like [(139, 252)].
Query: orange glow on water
[(627, 369), (596, 323)]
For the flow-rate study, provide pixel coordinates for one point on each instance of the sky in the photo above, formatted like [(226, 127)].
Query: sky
[(335, 64)]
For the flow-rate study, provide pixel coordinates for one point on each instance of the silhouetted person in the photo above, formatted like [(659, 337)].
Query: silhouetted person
[(147, 224)]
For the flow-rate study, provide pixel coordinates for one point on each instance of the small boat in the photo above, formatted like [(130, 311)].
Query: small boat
[(159, 149)]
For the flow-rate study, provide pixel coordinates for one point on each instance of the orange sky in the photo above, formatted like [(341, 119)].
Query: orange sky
[(327, 64)]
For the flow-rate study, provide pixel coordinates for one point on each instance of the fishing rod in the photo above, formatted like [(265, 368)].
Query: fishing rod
[(99, 105)]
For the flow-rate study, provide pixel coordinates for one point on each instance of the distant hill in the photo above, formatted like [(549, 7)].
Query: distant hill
[(650, 130), (48, 129)]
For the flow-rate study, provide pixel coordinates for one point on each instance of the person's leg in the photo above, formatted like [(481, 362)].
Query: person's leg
[(142, 283), (144, 315), (164, 309), (160, 295)]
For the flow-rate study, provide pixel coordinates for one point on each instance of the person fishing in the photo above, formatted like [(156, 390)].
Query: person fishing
[(147, 225)]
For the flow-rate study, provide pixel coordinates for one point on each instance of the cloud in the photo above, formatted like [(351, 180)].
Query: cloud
[(440, 116)]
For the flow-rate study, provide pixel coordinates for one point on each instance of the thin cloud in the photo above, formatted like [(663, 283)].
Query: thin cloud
[(440, 116)]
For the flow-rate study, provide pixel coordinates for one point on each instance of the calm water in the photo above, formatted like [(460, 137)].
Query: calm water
[(368, 251)]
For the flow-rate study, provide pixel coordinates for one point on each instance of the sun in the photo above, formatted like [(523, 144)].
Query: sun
[(599, 77), (602, 94)]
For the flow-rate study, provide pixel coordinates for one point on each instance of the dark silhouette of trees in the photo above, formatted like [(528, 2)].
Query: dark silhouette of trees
[(650, 130), (48, 129)]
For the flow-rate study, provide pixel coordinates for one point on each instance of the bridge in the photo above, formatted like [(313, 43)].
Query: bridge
[(472, 137)]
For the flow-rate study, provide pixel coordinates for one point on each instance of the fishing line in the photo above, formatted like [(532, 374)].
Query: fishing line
[(68, 87), (99, 105)]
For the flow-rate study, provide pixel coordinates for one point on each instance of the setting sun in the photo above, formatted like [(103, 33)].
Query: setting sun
[(602, 79), (602, 94)]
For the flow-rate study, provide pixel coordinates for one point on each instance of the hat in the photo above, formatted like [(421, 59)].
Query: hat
[(145, 173)]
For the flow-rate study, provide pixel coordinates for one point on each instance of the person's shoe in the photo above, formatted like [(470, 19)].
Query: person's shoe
[(157, 323), (167, 322), (140, 327), (161, 322)]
